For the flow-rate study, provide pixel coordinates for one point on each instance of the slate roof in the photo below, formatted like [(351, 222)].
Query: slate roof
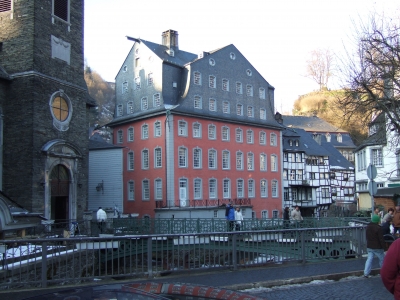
[(306, 143), (180, 57), (314, 124), (378, 138), (336, 159), (96, 142), (387, 191)]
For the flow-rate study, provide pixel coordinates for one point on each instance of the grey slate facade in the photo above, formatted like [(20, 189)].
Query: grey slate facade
[(44, 103)]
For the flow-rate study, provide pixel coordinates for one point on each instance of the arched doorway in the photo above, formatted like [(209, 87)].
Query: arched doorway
[(59, 180)]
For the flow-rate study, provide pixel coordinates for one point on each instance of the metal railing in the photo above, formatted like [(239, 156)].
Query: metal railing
[(201, 202), (36, 263)]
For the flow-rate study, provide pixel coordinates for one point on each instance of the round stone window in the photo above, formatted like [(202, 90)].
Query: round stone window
[(61, 110), (211, 62)]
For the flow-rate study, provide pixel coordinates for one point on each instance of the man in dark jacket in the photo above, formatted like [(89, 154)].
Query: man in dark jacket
[(230, 216), (390, 271), (376, 245)]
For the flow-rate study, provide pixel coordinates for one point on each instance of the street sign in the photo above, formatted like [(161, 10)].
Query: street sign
[(372, 188), (371, 172)]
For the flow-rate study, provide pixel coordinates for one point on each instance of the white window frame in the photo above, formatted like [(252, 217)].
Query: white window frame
[(274, 163), (250, 136), (249, 90), (226, 160), (225, 84), (263, 188), (144, 103), (156, 100), (150, 78), (197, 189), (212, 132), (263, 138), (239, 109), (145, 131), (197, 78), (129, 107), (274, 188), (131, 134), (239, 88), (120, 110), (197, 158), (263, 114), (212, 188), (182, 157), (120, 136), (239, 135), (250, 161), (157, 157), (158, 189), (182, 128), (250, 111), (240, 188), (197, 102), (226, 107), (157, 129), (145, 189), (212, 104), (131, 190), (251, 193), (131, 161), (145, 159), (261, 93), (212, 159), (225, 133), (377, 157), (137, 83), (239, 160), (212, 81), (196, 130), (226, 188), (263, 162), (273, 139)]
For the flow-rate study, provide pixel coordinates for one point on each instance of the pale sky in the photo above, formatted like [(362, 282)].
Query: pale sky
[(275, 36)]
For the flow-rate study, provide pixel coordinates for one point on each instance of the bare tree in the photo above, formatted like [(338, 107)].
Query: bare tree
[(319, 67), (372, 74)]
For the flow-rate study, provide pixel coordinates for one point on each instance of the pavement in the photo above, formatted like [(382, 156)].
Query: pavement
[(256, 279)]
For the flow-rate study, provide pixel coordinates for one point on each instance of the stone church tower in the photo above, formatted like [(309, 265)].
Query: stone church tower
[(44, 106)]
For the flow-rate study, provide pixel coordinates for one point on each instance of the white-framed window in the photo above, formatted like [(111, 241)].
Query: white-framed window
[(212, 104), (197, 162), (250, 161), (145, 159), (273, 139), (212, 82), (197, 188), (263, 188), (232, 56), (239, 109), (124, 87), (144, 103), (249, 90), (250, 136), (225, 85), (145, 132), (158, 188), (157, 128), (211, 61), (145, 189), (131, 162), (328, 137), (157, 157), (251, 188), (131, 190), (137, 83), (129, 107), (225, 133), (261, 92), (215, 213), (226, 188), (263, 138), (226, 160), (226, 107), (239, 160), (377, 157), (250, 111), (274, 188), (239, 89), (339, 137), (212, 188), (156, 100), (60, 10), (138, 63), (196, 130), (263, 162), (212, 132), (239, 135), (130, 134), (274, 163), (182, 157), (249, 72), (212, 159), (263, 114), (197, 78), (325, 192), (120, 137), (275, 214), (198, 102), (264, 214), (119, 110), (240, 188), (150, 79), (182, 128)]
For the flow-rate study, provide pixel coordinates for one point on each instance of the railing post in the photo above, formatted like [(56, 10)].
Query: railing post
[(149, 256), (359, 231), (44, 264), (303, 248), (234, 252)]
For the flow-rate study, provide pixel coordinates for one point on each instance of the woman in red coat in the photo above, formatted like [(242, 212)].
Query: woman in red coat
[(390, 271)]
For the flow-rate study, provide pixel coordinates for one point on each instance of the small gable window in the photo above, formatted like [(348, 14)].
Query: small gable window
[(339, 137)]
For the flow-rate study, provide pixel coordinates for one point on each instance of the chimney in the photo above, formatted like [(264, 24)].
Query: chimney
[(170, 39)]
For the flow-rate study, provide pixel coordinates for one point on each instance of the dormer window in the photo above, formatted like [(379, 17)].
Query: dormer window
[(339, 137), (328, 137), (290, 143)]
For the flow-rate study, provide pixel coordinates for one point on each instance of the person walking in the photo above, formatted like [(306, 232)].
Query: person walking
[(389, 216), (376, 245), (238, 218), (101, 219), (230, 216), (286, 218), (390, 270)]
